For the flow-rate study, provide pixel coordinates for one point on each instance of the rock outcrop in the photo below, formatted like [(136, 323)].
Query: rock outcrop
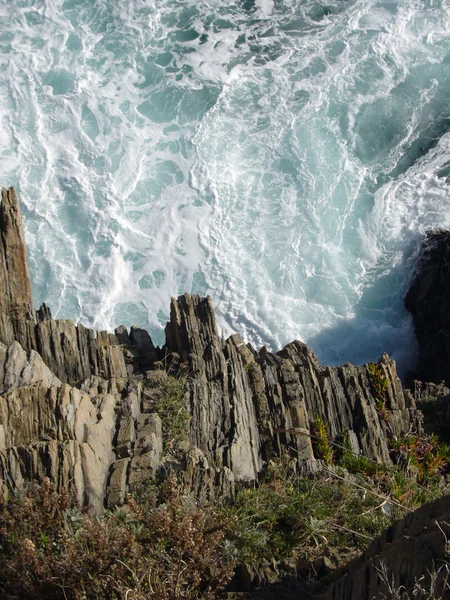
[(428, 300), (17, 316), (82, 407), (89, 409)]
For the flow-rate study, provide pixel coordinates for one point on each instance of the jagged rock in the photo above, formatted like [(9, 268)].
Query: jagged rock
[(249, 407), (223, 419), (60, 433), (43, 313), (17, 316), (428, 300), (122, 335), (249, 576), (143, 342), (18, 369), (74, 353)]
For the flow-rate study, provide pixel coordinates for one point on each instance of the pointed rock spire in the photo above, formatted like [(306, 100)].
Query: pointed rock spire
[(17, 316)]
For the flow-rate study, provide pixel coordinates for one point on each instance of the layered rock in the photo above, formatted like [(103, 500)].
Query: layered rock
[(71, 351), (246, 407), (75, 353), (17, 316)]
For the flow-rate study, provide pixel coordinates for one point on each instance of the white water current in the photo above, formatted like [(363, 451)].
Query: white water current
[(284, 157)]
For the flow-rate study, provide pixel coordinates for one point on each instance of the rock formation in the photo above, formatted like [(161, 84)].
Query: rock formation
[(17, 317), (411, 550), (84, 408), (77, 405), (428, 300)]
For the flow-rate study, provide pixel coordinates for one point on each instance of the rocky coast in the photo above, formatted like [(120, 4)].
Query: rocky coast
[(89, 411)]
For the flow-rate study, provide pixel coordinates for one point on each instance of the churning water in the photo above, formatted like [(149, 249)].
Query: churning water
[(284, 157)]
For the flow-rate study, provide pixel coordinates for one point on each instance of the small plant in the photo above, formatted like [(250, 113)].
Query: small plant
[(354, 463), (435, 585), (425, 453), (173, 411), (379, 383), (169, 402), (315, 530), (323, 447)]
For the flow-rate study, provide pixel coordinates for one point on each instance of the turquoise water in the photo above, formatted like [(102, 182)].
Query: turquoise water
[(283, 157)]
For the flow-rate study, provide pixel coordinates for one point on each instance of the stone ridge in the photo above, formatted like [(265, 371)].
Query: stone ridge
[(82, 407), (407, 552), (89, 409)]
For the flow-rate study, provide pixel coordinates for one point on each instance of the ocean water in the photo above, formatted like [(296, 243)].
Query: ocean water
[(284, 157)]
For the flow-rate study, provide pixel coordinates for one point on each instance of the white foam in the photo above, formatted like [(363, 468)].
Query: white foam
[(254, 155)]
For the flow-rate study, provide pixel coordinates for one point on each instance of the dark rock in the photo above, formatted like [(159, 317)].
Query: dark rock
[(122, 335), (428, 300), (43, 313), (413, 548), (143, 342)]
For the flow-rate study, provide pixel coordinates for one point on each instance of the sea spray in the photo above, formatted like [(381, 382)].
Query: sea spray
[(283, 157)]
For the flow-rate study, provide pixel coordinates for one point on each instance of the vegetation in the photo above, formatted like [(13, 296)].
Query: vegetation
[(425, 454), (169, 402), (321, 442), (379, 385), (166, 547), (161, 548), (353, 462), (290, 517), (434, 585)]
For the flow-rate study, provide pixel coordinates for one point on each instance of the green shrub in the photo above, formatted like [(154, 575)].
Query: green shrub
[(323, 449), (292, 517), (352, 462), (379, 384), (169, 402)]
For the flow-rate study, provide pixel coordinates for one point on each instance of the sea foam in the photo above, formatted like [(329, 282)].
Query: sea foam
[(283, 157)]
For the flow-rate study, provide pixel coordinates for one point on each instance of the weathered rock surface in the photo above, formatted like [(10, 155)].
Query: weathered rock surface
[(75, 353), (428, 300), (246, 407), (17, 316), (85, 408)]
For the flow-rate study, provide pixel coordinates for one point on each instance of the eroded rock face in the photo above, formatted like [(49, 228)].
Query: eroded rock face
[(248, 407), (75, 353), (428, 300), (17, 316), (76, 405), (48, 428)]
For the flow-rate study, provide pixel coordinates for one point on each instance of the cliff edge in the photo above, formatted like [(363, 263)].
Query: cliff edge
[(100, 414)]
